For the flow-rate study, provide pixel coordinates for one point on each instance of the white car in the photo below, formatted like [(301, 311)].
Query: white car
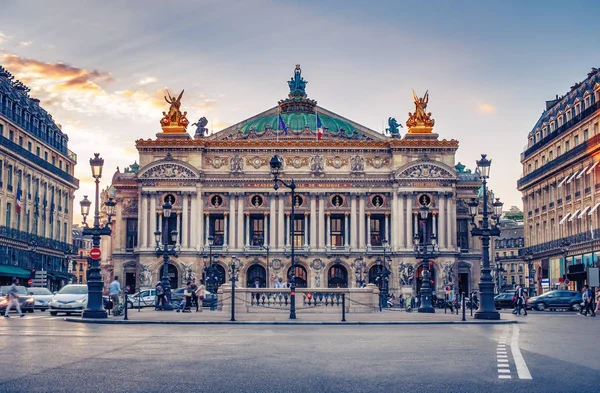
[(42, 296), (70, 299), (145, 298)]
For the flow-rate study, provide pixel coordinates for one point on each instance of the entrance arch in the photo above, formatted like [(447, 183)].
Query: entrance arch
[(172, 273), (301, 276), (256, 273), (337, 277)]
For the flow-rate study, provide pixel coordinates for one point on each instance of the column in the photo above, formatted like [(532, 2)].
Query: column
[(453, 240), (394, 210), (193, 222), (313, 222), (140, 196), (207, 232), (305, 230), (162, 229), (247, 239), (200, 215), (178, 227), (240, 228), (185, 233), (287, 229), (230, 226), (346, 244), (272, 233), (398, 223), (449, 220), (328, 235), (409, 214), (121, 224), (433, 225), (265, 227), (353, 219), (442, 230), (369, 230), (321, 234), (152, 226), (144, 223), (281, 226), (226, 234), (361, 222), (387, 226)]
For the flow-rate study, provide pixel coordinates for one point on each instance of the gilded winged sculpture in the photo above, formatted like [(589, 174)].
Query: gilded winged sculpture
[(174, 117), (420, 118)]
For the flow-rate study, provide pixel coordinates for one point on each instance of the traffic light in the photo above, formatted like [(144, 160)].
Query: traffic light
[(32, 274)]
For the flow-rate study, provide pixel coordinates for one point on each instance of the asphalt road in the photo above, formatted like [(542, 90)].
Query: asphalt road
[(45, 354)]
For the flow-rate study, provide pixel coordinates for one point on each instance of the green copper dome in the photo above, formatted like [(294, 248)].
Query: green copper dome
[(297, 121)]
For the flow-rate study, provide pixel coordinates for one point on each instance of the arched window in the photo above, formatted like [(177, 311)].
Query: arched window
[(301, 276), (337, 277), (256, 274)]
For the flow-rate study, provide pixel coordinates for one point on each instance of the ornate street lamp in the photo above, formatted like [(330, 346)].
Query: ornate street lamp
[(528, 256), (276, 165), (95, 308), (166, 250), (487, 309), (383, 271), (234, 269), (265, 247), (565, 251), (427, 250)]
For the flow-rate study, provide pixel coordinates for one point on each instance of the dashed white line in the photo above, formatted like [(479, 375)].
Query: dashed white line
[(522, 369)]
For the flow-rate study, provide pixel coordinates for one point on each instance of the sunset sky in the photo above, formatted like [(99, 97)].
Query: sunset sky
[(101, 67)]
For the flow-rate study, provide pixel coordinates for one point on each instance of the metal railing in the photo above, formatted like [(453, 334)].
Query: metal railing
[(557, 244), (40, 241)]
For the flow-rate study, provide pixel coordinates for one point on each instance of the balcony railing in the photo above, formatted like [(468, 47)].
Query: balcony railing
[(560, 130), (40, 241), (558, 244), (37, 160), (558, 161)]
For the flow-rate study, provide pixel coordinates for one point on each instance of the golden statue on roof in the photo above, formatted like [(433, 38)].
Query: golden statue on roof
[(420, 122), (174, 121)]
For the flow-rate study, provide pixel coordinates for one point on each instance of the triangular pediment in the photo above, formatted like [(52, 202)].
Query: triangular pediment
[(425, 170), (300, 126)]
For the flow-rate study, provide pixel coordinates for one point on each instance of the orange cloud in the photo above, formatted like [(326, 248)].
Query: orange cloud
[(486, 108)]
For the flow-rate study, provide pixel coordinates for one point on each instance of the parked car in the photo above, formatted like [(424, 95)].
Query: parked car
[(177, 297), (145, 298), (504, 300), (70, 299), (556, 299), (42, 296), (25, 301)]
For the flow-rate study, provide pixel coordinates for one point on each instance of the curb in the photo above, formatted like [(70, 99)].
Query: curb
[(130, 322)]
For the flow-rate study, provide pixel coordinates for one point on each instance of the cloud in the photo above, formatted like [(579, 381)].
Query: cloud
[(25, 43), (486, 108), (147, 80), (4, 37)]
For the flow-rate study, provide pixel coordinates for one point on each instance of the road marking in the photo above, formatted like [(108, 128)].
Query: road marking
[(522, 369), (504, 376)]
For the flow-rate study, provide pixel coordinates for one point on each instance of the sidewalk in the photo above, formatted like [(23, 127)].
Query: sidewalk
[(387, 317)]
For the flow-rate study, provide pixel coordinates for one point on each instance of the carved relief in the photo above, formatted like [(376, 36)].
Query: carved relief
[(237, 163), (377, 162), (168, 171), (317, 264), (317, 164), (337, 162), (217, 162), (257, 162), (297, 162), (357, 163), (407, 273), (130, 206), (426, 171)]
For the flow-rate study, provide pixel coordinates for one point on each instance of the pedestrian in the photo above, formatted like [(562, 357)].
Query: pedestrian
[(160, 296), (194, 289), (200, 296), (588, 300), (475, 300), (114, 289), (187, 295), (597, 300), (13, 299), (256, 283), (519, 298)]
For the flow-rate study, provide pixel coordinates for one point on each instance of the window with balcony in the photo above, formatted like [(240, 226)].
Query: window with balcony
[(257, 230), (299, 231), (585, 135), (462, 234), (131, 233), (337, 231), (576, 140), (8, 214), (217, 226), (567, 146), (11, 135), (9, 178), (377, 230)]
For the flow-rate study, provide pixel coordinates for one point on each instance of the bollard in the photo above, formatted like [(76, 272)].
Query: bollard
[(139, 305), (445, 302), (463, 307), (125, 304), (471, 300), (343, 307)]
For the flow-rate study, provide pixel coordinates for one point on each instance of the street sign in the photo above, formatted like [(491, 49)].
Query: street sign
[(95, 253), (30, 282), (567, 281)]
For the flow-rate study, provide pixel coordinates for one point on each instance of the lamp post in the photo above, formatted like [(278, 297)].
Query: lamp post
[(166, 250), (276, 165), (427, 250), (565, 251), (528, 256), (95, 308), (211, 272), (266, 248), (383, 273), (487, 309), (499, 273), (234, 268)]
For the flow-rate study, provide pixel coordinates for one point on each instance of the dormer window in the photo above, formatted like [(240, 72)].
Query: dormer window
[(569, 115), (587, 102), (560, 121), (552, 127)]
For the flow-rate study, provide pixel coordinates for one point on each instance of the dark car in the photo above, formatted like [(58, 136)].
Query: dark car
[(177, 298), (26, 302), (570, 300), (504, 300)]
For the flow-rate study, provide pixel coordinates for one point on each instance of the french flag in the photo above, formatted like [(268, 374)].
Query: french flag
[(19, 192), (319, 128)]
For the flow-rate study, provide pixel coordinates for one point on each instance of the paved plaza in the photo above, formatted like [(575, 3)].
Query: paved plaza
[(543, 352)]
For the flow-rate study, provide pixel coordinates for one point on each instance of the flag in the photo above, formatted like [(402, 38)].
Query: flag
[(281, 125), (19, 193), (319, 128)]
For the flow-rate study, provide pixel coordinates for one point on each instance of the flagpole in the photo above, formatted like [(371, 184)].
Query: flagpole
[(316, 123), (278, 114)]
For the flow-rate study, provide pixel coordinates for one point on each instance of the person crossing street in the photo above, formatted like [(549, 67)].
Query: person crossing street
[(13, 299)]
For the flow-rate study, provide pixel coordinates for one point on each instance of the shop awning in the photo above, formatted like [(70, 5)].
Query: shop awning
[(583, 211), (563, 181), (582, 172), (574, 215), (592, 168), (565, 218), (594, 209), (13, 271), (571, 178)]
